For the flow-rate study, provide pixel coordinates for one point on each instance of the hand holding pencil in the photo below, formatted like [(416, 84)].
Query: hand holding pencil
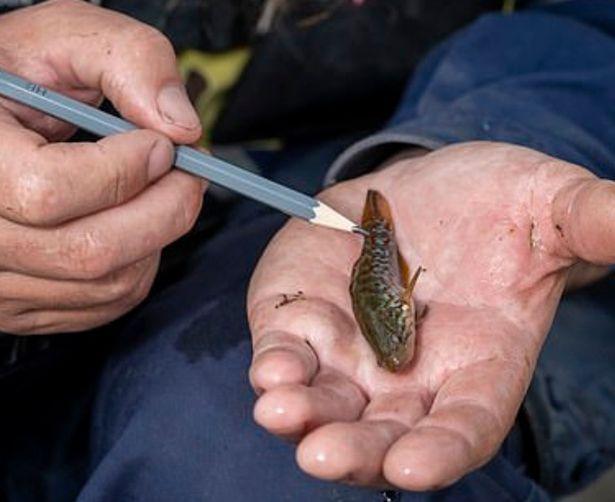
[(82, 225)]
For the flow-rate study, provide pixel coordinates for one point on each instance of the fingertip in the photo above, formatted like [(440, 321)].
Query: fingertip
[(161, 158), (279, 366), (421, 462), (401, 473), (283, 411), (177, 115), (349, 451), (324, 458), (582, 218), (165, 109), (281, 359), (404, 474), (143, 155), (180, 136)]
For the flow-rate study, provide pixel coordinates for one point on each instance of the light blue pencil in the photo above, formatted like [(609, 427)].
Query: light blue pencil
[(217, 171)]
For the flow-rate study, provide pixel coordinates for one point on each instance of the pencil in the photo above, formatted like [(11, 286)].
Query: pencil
[(206, 166)]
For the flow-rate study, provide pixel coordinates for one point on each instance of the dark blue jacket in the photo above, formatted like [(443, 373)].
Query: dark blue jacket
[(543, 78)]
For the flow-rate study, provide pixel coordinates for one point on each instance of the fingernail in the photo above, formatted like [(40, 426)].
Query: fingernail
[(175, 108), (160, 159)]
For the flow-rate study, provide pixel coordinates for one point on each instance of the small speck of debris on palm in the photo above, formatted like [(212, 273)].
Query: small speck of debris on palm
[(290, 298)]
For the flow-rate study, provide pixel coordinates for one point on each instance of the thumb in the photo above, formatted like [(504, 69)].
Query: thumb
[(584, 217), (133, 64)]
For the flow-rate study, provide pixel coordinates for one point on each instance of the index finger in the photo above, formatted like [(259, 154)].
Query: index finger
[(47, 184)]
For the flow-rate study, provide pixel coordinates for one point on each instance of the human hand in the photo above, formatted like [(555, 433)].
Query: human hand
[(497, 228), (82, 224)]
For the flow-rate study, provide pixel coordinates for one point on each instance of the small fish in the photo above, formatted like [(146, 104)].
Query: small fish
[(380, 290)]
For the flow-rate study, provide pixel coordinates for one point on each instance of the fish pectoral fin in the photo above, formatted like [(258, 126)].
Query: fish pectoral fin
[(411, 285)]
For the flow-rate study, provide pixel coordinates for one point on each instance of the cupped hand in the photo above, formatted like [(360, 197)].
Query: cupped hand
[(497, 229), (82, 224)]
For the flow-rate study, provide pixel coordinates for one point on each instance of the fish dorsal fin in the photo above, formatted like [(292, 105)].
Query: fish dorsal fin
[(410, 287), (376, 208)]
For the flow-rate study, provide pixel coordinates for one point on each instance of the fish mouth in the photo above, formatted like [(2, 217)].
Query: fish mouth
[(394, 363), (398, 360)]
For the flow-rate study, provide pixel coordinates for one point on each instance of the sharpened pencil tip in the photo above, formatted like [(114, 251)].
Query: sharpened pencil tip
[(327, 217)]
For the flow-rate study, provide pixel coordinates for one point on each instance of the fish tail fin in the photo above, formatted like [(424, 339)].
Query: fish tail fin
[(376, 208)]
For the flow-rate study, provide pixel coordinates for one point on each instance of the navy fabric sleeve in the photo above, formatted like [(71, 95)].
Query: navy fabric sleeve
[(543, 78)]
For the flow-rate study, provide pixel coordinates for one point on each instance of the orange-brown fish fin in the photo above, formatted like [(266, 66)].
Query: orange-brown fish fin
[(404, 270), (410, 287), (376, 207)]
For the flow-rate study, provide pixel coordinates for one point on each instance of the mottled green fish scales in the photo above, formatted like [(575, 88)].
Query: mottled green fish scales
[(382, 307)]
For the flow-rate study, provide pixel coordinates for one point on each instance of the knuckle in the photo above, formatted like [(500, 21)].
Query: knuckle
[(121, 286), (139, 293), (132, 285), (125, 160), (144, 285), (37, 199), (148, 39), (16, 324), (118, 187), (88, 256), (136, 294)]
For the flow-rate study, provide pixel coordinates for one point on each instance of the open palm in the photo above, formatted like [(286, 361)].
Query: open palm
[(496, 228)]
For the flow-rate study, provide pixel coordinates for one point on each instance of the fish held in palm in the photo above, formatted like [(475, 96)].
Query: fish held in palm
[(381, 289)]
